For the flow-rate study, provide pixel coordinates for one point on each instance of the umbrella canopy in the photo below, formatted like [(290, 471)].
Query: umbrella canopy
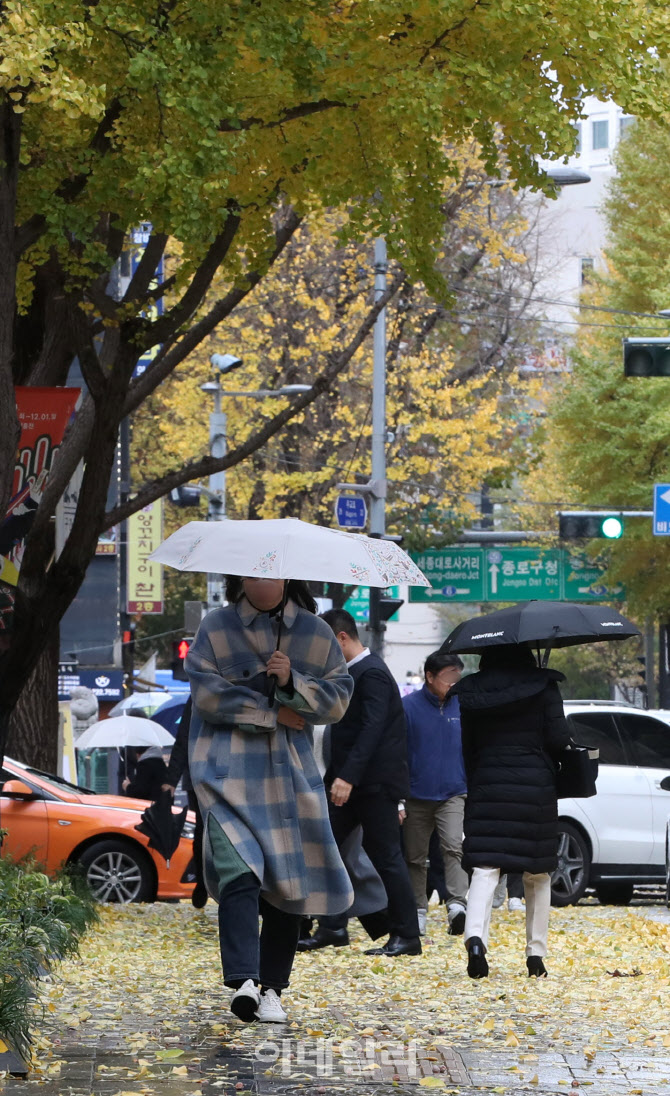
[(123, 730), (147, 701), (539, 624), (162, 826), (288, 548), (169, 714)]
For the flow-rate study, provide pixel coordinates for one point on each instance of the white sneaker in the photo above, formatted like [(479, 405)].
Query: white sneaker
[(245, 1001), (515, 904), (270, 1010), (422, 916), (500, 892)]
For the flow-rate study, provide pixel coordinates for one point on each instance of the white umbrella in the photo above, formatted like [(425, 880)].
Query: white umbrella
[(288, 548), (148, 701), (123, 730)]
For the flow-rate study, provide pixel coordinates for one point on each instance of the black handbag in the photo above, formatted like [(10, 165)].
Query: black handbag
[(577, 772)]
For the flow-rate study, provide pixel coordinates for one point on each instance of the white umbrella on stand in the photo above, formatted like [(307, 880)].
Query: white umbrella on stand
[(123, 730)]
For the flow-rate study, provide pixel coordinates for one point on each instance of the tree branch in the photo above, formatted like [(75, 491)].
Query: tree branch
[(207, 465), (169, 358), (302, 110)]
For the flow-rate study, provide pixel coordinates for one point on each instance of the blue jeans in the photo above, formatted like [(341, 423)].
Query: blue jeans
[(266, 956)]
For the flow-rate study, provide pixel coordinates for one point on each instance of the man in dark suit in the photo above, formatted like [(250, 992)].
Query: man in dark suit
[(368, 775)]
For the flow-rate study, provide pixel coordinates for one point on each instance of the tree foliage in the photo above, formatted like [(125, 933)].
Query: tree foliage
[(608, 437), (225, 124)]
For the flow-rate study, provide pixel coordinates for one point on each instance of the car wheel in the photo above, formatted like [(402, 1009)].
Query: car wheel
[(614, 894), (571, 877), (118, 871)]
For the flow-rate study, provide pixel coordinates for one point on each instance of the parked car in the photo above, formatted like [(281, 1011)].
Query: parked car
[(61, 823), (616, 839)]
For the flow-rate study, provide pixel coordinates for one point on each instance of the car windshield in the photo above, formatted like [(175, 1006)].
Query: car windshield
[(60, 781)]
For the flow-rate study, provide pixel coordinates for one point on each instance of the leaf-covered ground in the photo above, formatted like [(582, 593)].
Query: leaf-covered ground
[(147, 986)]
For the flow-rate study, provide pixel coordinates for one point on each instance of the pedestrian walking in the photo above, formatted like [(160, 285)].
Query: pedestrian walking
[(436, 798), (368, 775), (150, 772), (178, 770), (511, 887), (513, 728), (268, 847)]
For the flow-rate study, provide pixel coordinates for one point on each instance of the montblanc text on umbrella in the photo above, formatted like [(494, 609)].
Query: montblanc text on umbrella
[(611, 624), (488, 635)]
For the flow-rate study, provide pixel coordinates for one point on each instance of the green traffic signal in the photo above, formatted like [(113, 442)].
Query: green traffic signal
[(589, 525), (612, 528)]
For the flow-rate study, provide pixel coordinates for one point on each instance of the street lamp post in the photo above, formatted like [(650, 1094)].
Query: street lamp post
[(216, 494)]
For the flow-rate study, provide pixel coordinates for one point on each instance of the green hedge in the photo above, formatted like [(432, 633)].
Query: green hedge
[(41, 921)]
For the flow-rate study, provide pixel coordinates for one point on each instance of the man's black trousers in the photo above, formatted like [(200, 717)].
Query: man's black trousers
[(377, 814)]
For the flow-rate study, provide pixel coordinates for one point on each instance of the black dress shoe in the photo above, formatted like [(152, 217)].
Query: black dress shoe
[(536, 968), (324, 938), (477, 964), (398, 945)]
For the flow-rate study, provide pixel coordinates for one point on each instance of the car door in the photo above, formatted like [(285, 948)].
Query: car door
[(25, 820), (648, 740), (621, 813)]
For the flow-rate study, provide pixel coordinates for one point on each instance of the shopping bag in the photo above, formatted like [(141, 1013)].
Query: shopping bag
[(577, 772)]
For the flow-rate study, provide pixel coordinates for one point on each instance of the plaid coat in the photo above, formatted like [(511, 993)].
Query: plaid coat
[(257, 777)]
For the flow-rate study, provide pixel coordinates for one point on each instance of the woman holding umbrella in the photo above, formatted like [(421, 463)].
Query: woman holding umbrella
[(268, 847), (513, 727)]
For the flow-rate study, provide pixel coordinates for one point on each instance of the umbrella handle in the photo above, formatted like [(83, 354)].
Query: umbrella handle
[(271, 694)]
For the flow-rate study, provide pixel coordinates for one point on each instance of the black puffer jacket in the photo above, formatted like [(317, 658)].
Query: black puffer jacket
[(512, 727)]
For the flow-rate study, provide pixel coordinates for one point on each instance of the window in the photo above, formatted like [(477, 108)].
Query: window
[(599, 731), (600, 134), (626, 121), (650, 740), (578, 143)]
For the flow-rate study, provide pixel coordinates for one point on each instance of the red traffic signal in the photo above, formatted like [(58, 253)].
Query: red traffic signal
[(180, 649)]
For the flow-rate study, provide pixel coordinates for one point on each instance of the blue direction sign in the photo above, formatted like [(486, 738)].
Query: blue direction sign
[(351, 512), (661, 521)]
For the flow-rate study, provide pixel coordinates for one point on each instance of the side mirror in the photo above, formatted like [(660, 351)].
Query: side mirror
[(16, 789), (665, 783)]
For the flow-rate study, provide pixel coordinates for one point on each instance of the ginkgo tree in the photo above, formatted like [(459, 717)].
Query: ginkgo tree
[(224, 125)]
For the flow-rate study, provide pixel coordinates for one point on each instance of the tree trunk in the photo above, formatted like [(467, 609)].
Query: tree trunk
[(33, 725)]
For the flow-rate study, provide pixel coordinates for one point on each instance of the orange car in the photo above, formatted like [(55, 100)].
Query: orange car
[(63, 824)]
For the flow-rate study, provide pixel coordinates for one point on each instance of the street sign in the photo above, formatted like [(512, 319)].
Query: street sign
[(351, 511), (456, 574), (510, 574), (523, 574), (358, 604), (583, 580), (661, 519)]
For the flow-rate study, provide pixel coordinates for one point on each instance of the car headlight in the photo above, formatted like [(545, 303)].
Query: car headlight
[(188, 831)]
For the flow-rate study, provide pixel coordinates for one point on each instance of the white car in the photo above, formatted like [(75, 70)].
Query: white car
[(618, 837)]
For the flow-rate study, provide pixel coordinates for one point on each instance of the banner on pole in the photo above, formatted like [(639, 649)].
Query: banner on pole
[(145, 577), (43, 414)]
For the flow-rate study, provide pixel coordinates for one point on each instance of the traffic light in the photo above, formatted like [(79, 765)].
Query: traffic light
[(388, 606), (642, 672), (646, 357), (588, 525), (185, 495), (180, 649)]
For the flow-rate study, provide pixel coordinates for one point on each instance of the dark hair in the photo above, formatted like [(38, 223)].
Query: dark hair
[(341, 621), (436, 662), (137, 713), (509, 656), (297, 591)]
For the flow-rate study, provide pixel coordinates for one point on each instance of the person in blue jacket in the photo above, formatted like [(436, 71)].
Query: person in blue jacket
[(437, 786)]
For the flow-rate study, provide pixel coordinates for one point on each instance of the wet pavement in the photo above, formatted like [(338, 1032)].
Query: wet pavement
[(112, 1050)]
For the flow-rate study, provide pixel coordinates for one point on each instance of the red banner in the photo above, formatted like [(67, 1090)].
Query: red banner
[(43, 413)]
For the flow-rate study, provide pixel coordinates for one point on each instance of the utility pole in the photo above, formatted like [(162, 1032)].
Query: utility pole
[(378, 492), (216, 509)]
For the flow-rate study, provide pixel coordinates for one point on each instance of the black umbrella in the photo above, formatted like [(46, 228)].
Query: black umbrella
[(162, 826), (539, 624)]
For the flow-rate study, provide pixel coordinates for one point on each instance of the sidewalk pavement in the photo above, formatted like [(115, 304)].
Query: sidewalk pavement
[(142, 1011)]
